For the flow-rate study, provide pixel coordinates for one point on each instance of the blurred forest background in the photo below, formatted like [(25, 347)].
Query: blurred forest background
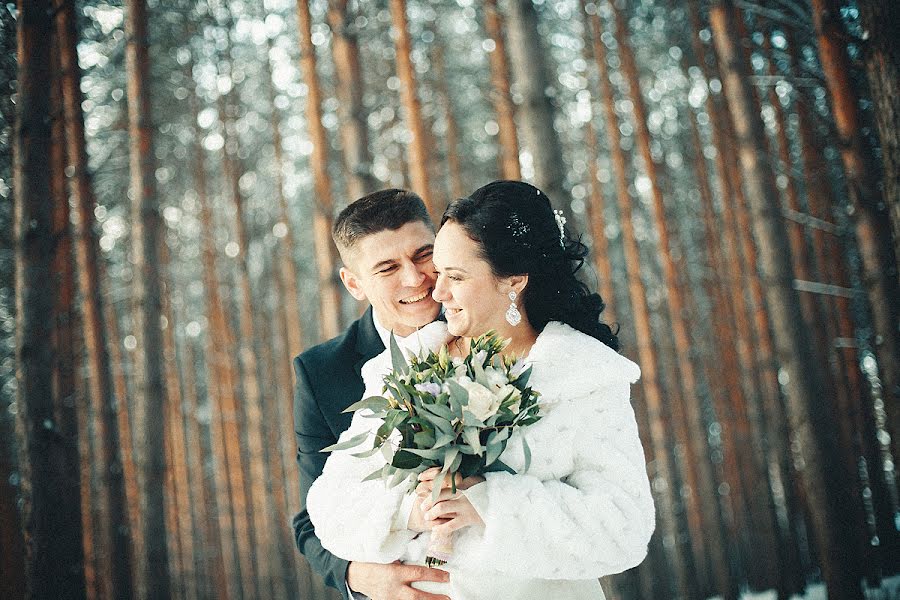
[(164, 252)]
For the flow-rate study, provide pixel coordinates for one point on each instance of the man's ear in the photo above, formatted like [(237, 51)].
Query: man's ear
[(352, 283)]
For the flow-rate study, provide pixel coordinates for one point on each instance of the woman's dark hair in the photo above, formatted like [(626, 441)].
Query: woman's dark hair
[(517, 231)]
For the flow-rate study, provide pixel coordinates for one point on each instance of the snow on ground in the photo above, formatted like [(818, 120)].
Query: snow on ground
[(889, 590)]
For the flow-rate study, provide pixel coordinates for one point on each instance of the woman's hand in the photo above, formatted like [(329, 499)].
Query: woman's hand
[(426, 482), (450, 511)]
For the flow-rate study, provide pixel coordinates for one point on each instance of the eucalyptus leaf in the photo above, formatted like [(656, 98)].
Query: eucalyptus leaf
[(398, 362), (436, 486), (376, 474), (494, 449), (470, 434), (430, 453), (527, 450), (450, 456), (367, 453), (373, 403), (443, 439), (356, 440), (404, 459), (458, 393)]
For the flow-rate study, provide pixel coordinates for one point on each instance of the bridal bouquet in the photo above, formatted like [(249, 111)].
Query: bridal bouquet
[(452, 413)]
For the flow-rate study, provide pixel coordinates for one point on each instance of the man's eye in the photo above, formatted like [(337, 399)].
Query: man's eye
[(424, 256), (387, 270)]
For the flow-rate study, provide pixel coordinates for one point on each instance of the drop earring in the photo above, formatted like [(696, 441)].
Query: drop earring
[(513, 316)]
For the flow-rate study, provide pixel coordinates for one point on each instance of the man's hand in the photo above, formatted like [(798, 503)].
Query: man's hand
[(392, 582)]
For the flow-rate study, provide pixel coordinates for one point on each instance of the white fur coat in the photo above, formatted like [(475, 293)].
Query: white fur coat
[(582, 510)]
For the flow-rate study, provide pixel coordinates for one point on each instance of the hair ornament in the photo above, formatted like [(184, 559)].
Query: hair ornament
[(560, 223)]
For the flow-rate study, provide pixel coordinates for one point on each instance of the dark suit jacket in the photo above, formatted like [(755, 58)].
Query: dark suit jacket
[(328, 381)]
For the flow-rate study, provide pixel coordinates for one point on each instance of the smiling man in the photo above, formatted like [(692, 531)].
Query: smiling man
[(385, 240)]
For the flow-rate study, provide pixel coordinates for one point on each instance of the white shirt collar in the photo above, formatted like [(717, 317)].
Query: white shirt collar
[(411, 341)]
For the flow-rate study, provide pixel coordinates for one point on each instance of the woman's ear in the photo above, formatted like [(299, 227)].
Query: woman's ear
[(351, 282), (517, 283)]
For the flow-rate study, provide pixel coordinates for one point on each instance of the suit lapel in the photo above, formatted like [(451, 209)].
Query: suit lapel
[(368, 342)]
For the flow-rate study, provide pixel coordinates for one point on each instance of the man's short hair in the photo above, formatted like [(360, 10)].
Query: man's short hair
[(378, 211)]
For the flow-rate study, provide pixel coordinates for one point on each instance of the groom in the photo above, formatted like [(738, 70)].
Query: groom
[(385, 240)]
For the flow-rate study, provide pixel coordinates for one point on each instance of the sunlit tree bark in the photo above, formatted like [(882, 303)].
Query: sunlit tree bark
[(698, 472), (352, 111), (871, 217), (229, 502), (652, 393), (500, 95), (326, 254), (260, 517), (811, 426), (287, 268), (454, 172), (597, 203), (537, 113), (418, 155), (115, 525), (47, 445), (149, 379)]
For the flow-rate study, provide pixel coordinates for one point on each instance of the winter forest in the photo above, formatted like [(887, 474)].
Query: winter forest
[(169, 173)]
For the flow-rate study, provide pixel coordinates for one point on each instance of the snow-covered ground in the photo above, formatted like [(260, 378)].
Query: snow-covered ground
[(889, 590)]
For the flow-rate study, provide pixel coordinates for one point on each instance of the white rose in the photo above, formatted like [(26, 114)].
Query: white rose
[(482, 403), (496, 379)]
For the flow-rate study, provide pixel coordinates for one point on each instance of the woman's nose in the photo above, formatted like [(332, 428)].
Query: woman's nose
[(439, 294)]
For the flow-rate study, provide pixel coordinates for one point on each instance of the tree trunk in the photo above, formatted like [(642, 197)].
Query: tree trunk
[(287, 268), (596, 206), (811, 424), (252, 431), (500, 94), (880, 19), (871, 215), (149, 379), (48, 447), (177, 479), (326, 255), (12, 559), (662, 471), (231, 506), (537, 113), (699, 471), (115, 526), (454, 172), (351, 110), (418, 155)]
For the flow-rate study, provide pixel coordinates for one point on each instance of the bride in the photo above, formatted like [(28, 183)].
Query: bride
[(583, 509)]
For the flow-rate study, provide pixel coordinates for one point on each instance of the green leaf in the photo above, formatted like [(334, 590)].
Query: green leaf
[(471, 419), (356, 440), (494, 449), (522, 380), (458, 393), (527, 452), (436, 488), (399, 475), (424, 439), (499, 465), (431, 453), (470, 434), (454, 466), (398, 362), (404, 459), (367, 453), (451, 455), (439, 410), (373, 403), (443, 439), (376, 474)]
